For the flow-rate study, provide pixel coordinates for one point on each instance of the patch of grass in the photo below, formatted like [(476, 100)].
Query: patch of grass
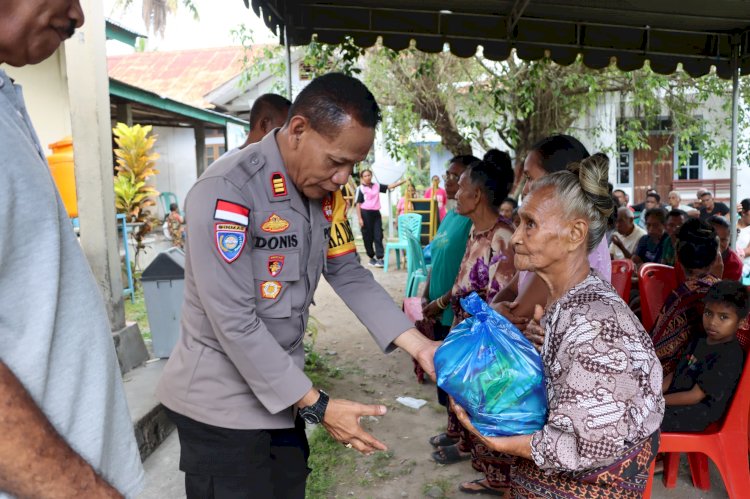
[(318, 368), (135, 311), (442, 483), (328, 459)]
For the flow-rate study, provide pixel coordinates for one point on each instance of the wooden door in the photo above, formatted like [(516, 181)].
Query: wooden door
[(654, 168)]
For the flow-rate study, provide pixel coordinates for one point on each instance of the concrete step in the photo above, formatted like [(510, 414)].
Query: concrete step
[(150, 421)]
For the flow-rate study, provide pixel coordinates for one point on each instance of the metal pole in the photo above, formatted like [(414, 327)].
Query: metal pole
[(288, 64), (390, 216), (734, 169)]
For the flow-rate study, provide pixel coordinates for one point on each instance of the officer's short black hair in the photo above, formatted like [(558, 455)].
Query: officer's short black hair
[(329, 100), (267, 104), (463, 159)]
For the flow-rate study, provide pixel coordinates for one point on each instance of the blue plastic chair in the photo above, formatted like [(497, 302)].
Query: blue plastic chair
[(415, 265), (408, 223)]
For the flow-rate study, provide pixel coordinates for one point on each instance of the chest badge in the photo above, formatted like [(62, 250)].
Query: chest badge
[(230, 240), (278, 184), (328, 207), (275, 264), (274, 224), (270, 289)]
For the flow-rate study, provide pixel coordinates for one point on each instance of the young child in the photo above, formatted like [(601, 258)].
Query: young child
[(698, 392)]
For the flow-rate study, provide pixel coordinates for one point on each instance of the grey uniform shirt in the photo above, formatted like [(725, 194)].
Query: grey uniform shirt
[(255, 252), (54, 332)]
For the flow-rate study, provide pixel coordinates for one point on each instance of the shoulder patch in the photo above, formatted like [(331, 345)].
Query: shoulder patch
[(274, 224), (278, 184), (341, 237), (230, 240), (270, 289), (231, 212), (275, 264)]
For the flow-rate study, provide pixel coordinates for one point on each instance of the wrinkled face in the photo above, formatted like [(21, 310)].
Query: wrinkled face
[(708, 201), (651, 202), (451, 179), (31, 30), (622, 199), (723, 234), (654, 227), (674, 200), (366, 177), (468, 196), (321, 164), (536, 241), (624, 224), (720, 321), (532, 170), (506, 210), (673, 225)]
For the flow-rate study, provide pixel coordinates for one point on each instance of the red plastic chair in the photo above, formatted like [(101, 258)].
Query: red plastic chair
[(622, 277), (726, 443), (655, 282)]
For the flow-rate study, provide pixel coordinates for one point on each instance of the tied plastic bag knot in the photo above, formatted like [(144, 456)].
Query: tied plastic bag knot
[(493, 372)]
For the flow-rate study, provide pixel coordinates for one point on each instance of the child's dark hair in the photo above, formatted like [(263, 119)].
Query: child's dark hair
[(732, 293), (173, 207)]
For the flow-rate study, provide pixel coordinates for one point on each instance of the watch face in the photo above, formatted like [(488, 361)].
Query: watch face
[(310, 418)]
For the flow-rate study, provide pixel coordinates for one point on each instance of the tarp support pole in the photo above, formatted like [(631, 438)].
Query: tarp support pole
[(734, 168), (288, 64)]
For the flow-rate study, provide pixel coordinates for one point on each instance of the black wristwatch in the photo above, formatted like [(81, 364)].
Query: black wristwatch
[(313, 414)]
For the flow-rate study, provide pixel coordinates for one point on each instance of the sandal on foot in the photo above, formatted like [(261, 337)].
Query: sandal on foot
[(483, 488), (443, 440), (449, 455)]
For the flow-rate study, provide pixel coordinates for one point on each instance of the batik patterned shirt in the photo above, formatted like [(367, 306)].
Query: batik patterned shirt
[(602, 377), (487, 265)]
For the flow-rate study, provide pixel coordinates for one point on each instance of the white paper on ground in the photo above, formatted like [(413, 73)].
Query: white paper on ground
[(411, 402)]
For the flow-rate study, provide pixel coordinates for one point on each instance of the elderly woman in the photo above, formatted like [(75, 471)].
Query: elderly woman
[(602, 376), (486, 267)]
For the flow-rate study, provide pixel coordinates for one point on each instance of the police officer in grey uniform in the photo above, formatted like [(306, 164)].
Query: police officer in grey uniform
[(262, 228)]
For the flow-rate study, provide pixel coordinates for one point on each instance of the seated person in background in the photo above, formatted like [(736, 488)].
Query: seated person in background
[(698, 392), (743, 236), (627, 235), (623, 200), (653, 200), (730, 258), (651, 246), (675, 202), (506, 209), (679, 321), (675, 219), (176, 226), (710, 207)]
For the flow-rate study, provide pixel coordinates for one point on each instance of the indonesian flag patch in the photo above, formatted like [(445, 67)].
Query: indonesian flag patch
[(230, 240), (231, 212)]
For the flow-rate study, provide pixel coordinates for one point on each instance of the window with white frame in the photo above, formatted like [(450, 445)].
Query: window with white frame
[(687, 166), (624, 165)]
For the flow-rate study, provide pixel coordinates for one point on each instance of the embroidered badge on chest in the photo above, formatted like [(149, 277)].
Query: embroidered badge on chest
[(270, 289), (278, 184), (275, 264), (328, 207), (230, 240), (274, 224)]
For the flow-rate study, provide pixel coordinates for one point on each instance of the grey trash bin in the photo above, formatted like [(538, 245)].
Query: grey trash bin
[(163, 289)]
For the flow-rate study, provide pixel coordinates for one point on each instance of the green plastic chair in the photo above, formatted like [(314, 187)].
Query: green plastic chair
[(415, 265), (168, 198), (408, 223)]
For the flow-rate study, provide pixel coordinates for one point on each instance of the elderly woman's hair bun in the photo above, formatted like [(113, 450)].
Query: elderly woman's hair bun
[(593, 175), (583, 192)]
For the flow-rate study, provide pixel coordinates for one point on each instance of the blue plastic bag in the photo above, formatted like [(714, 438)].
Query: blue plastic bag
[(491, 370)]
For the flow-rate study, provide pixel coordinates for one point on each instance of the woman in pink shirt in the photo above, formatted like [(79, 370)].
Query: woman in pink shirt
[(440, 195), (368, 210)]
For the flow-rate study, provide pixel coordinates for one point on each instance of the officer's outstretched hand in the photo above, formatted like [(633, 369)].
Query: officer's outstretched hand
[(342, 422)]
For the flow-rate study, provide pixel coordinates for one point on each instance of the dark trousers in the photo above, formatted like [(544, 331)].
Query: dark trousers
[(222, 463), (372, 232)]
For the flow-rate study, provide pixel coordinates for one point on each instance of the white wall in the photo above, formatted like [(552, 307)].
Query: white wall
[(45, 90), (176, 164)]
